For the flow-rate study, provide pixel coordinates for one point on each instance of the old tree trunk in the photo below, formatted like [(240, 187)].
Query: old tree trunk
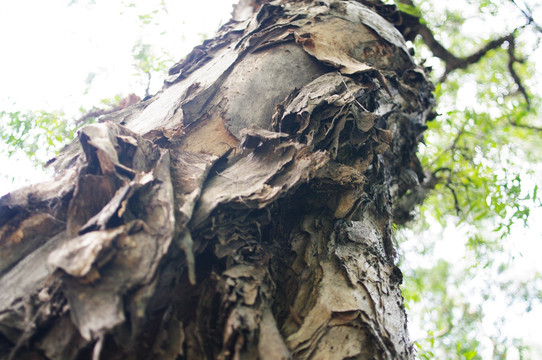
[(243, 212)]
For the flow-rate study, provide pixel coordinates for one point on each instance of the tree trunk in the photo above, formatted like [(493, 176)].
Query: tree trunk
[(243, 212)]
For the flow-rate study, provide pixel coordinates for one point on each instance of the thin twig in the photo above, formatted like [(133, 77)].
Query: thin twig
[(512, 59), (456, 201), (524, 126), (527, 12)]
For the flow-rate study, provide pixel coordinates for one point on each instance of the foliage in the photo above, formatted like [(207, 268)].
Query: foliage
[(38, 133), (464, 291), (148, 60), (41, 134), (483, 146), (147, 63), (452, 318)]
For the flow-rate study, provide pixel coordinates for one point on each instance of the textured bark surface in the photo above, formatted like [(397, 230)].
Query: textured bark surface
[(243, 212)]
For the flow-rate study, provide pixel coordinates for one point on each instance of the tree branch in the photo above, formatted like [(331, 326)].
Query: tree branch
[(410, 26), (527, 12), (402, 212), (511, 60), (453, 62), (454, 194), (515, 123)]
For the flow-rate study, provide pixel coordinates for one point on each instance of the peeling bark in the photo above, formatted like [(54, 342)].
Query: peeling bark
[(244, 211)]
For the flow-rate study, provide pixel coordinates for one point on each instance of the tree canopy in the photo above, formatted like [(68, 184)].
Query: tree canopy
[(465, 231)]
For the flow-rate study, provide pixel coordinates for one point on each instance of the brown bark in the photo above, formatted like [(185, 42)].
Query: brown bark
[(242, 212)]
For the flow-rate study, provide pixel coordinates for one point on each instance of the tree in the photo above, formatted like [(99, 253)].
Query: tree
[(246, 210)]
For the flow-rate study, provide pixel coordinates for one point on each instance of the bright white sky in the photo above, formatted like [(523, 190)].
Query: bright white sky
[(49, 49)]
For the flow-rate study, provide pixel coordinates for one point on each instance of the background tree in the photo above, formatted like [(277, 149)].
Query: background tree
[(401, 178)]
